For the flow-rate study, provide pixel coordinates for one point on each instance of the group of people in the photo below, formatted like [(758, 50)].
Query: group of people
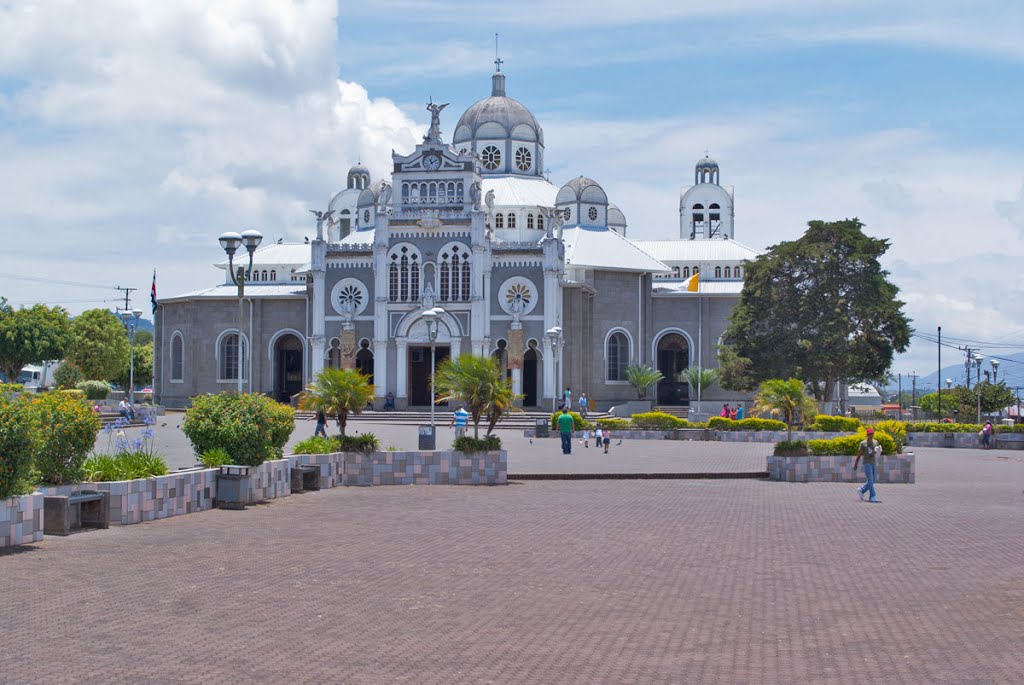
[(567, 424), (734, 413), (566, 403)]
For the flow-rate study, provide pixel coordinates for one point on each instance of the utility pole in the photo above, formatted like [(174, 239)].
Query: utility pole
[(938, 381), (967, 365), (913, 394), (127, 293), (899, 392)]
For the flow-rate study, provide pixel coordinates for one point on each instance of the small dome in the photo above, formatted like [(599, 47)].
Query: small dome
[(358, 169), (616, 219), (582, 189), (707, 163), (367, 198)]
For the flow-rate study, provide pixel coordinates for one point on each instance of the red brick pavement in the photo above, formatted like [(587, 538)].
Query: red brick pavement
[(546, 582)]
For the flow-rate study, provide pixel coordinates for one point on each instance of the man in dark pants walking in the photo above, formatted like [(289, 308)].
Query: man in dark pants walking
[(565, 426)]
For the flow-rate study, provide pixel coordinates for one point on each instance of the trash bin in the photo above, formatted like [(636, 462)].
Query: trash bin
[(948, 440), (542, 428), (428, 439), (232, 487)]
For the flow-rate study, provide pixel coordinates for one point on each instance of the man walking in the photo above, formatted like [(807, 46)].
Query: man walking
[(584, 405), (565, 426), (321, 423), (459, 420), (868, 449)]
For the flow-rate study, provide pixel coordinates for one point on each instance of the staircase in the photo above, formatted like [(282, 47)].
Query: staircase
[(420, 416), (678, 412)]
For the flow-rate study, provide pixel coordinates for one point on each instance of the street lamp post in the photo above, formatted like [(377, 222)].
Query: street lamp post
[(230, 241), (995, 378), (131, 322), (430, 317), (555, 335)]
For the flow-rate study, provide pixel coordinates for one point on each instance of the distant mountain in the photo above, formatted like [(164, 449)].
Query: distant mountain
[(1011, 370)]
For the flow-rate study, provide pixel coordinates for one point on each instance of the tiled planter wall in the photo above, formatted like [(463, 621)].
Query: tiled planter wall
[(410, 468), (892, 468), (1003, 441), (270, 480), (21, 520)]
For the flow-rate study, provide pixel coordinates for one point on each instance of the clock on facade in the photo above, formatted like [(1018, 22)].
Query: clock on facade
[(432, 162)]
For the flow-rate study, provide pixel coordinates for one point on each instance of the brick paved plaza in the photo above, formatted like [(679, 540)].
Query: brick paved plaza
[(688, 581)]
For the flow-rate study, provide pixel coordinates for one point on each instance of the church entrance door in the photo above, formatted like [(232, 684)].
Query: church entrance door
[(419, 372), (287, 368), (673, 357), (530, 378)]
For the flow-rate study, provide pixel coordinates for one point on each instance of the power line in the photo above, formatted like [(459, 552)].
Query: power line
[(76, 284)]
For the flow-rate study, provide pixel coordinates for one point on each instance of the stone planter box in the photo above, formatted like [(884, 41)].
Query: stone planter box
[(441, 467), (21, 520), (239, 486), (151, 499), (892, 468)]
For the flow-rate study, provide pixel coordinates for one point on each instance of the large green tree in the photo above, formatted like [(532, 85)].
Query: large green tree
[(100, 346), (143, 366), (994, 396), (31, 336), (820, 309)]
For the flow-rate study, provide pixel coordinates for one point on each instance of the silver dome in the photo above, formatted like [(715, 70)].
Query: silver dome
[(707, 163), (615, 217), (582, 189), (498, 110)]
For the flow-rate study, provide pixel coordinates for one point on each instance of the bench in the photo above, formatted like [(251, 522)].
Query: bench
[(63, 514), (306, 477)]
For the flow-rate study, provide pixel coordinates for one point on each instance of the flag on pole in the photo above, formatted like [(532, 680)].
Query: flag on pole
[(693, 283), (152, 293)]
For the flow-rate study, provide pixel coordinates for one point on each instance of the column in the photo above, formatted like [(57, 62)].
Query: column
[(380, 368), (402, 388)]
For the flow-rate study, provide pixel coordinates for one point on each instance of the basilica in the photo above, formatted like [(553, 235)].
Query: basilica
[(467, 248)]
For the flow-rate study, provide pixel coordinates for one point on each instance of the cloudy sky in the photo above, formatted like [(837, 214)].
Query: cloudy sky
[(135, 132)]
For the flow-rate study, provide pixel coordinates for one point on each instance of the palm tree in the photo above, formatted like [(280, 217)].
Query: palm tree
[(338, 392), (788, 397), (699, 378), (642, 378), (481, 384)]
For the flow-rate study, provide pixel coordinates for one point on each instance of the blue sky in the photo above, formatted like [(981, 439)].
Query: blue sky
[(156, 126)]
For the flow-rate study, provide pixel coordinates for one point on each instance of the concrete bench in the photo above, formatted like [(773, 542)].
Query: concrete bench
[(63, 514), (306, 477)]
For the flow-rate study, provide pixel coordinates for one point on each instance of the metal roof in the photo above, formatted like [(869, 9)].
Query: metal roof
[(603, 248), (697, 250), (254, 290), (520, 191), (274, 254)]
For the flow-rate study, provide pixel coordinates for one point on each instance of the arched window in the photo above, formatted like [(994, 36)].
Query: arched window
[(265, 275), (231, 357), (617, 356), (177, 357), (728, 272), (675, 272), (718, 272), (529, 220), (738, 272), (499, 220), (511, 220), (686, 272), (540, 222), (696, 270), (405, 191), (454, 281), (403, 273), (273, 274)]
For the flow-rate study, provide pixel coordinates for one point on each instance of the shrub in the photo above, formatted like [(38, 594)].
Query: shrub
[(215, 458), (793, 448), (67, 376), (100, 468), (657, 420), (74, 394), (848, 444), (315, 445), (65, 431), (367, 442), (11, 387), (466, 443), (898, 431), (936, 427), (614, 424), (835, 424), (751, 424), (578, 423), (251, 428), (94, 390), (16, 448)]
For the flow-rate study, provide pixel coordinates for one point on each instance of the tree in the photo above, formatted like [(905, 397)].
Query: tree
[(481, 384), (100, 345), (67, 376), (143, 338), (820, 309), (31, 336), (338, 392), (642, 378), (699, 378), (787, 397), (994, 396), (143, 366)]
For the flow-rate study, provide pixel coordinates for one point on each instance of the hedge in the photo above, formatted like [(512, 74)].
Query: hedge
[(848, 444), (16, 448), (469, 444), (658, 420), (898, 431), (835, 424), (578, 423), (752, 424), (614, 424), (65, 432), (251, 428)]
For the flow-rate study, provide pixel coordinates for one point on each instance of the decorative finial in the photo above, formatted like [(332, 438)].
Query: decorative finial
[(498, 61)]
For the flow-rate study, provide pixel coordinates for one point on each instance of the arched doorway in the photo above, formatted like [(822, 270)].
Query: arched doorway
[(287, 367), (364, 359), (673, 356), (530, 369)]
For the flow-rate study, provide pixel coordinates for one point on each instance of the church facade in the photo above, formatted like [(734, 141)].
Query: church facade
[(543, 278)]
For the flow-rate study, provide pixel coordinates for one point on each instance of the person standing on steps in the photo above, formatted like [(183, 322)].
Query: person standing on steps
[(565, 426), (869, 449), (584, 405), (567, 399)]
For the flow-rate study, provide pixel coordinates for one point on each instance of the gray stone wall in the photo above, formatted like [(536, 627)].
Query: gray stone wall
[(892, 468), (21, 520)]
